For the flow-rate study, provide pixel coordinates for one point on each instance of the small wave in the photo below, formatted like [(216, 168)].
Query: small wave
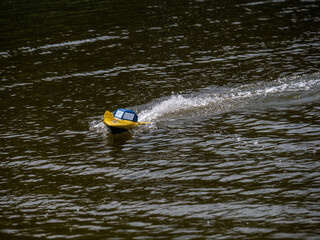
[(4, 54), (69, 43), (105, 73)]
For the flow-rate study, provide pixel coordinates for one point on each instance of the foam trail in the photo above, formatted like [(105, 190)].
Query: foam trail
[(175, 104), (232, 98)]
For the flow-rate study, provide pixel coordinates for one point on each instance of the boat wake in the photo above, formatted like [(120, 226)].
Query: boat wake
[(213, 100)]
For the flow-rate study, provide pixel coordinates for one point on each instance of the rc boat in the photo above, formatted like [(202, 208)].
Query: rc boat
[(121, 120)]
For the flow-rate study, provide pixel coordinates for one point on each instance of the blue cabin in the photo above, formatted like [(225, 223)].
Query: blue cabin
[(126, 114)]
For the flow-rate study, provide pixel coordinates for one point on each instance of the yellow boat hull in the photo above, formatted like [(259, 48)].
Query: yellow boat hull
[(119, 125)]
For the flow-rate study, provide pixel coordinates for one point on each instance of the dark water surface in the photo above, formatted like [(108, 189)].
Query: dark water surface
[(233, 92)]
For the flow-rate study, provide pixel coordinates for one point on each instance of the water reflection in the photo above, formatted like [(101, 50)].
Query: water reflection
[(119, 141)]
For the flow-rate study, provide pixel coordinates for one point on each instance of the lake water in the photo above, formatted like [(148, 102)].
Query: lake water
[(232, 89)]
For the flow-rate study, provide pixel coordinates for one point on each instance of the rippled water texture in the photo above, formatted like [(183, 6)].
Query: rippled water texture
[(232, 89)]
